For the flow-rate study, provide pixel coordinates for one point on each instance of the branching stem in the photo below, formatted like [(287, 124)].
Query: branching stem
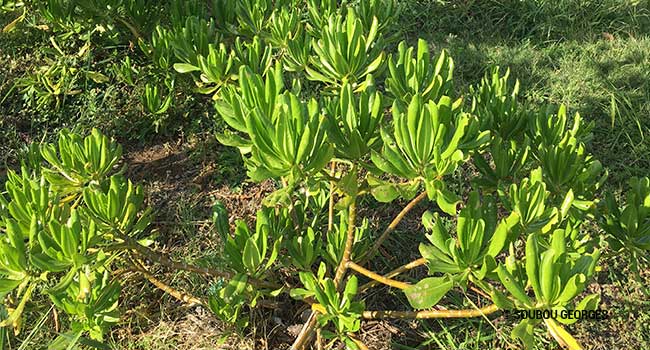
[(413, 264), (431, 313), (180, 295), (164, 260), (343, 265), (391, 227), (330, 213), (377, 277), (307, 331)]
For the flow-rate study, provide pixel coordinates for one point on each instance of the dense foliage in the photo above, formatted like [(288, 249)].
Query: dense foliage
[(314, 100)]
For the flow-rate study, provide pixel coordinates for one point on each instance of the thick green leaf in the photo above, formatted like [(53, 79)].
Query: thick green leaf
[(590, 302), (524, 331), (185, 68), (384, 193), (532, 262), (428, 291), (252, 256), (220, 220), (447, 201), (512, 285), (7, 285), (501, 300)]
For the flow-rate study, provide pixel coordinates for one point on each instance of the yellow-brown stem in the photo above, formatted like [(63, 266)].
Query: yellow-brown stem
[(479, 292), (330, 216), (391, 227), (55, 316), (131, 27), (343, 265), (164, 260), (377, 277), (431, 313), (307, 331), (413, 264), (76, 202), (319, 340), (180, 295)]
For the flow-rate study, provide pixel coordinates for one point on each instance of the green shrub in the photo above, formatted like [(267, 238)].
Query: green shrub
[(345, 132)]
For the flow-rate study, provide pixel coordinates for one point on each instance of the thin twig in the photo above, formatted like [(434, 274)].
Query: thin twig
[(479, 292), (180, 295), (132, 28), (370, 253), (164, 260), (319, 340)]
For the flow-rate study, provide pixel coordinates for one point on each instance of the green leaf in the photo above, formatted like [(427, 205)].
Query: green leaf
[(344, 202), (275, 250), (63, 282), (447, 201), (12, 25), (65, 341), (431, 187), (7, 285), (185, 68), (350, 343), (428, 291), (15, 235), (108, 296), (489, 264), (220, 219), (252, 257), (44, 262), (501, 234), (438, 258), (18, 311), (278, 197), (384, 193), (566, 204), (300, 293), (351, 287), (572, 287), (349, 184), (532, 261), (501, 300), (590, 302), (548, 275), (512, 285), (524, 331)]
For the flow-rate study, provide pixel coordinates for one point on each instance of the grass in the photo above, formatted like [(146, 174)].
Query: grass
[(593, 56)]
